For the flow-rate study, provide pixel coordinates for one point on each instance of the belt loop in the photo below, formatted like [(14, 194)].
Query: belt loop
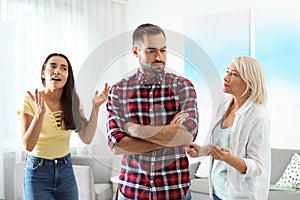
[(65, 160), (41, 162)]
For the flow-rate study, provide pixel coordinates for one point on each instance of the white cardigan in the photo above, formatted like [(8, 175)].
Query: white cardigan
[(249, 139)]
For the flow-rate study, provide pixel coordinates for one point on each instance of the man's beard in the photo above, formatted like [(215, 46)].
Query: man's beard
[(153, 70)]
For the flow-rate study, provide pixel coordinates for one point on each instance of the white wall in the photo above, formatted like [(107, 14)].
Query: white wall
[(170, 15)]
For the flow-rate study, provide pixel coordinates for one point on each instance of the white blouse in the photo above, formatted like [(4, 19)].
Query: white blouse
[(249, 139)]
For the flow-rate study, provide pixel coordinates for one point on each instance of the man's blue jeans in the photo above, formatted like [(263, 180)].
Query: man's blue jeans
[(49, 179)]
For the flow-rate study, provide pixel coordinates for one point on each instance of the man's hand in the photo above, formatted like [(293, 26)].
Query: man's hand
[(173, 134), (130, 127), (179, 117)]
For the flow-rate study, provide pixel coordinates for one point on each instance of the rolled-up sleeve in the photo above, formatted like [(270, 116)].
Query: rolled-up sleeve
[(115, 120), (188, 104)]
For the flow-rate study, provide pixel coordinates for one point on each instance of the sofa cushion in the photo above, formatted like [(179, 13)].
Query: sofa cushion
[(103, 191), (96, 163), (85, 182), (290, 177), (200, 185), (280, 195)]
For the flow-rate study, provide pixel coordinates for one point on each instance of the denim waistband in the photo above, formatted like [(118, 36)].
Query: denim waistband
[(63, 160)]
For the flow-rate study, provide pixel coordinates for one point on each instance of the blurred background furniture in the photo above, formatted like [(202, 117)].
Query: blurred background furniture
[(280, 159)]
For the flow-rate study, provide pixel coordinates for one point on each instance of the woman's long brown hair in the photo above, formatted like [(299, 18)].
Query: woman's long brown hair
[(69, 99)]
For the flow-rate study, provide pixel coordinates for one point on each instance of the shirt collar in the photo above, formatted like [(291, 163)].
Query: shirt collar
[(245, 107), (143, 81)]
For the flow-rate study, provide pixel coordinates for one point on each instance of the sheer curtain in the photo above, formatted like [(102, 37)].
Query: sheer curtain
[(32, 29)]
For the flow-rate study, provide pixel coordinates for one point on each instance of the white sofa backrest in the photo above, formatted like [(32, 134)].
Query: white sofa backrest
[(101, 166)]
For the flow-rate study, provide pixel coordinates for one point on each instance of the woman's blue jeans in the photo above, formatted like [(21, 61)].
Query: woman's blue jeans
[(49, 179), (216, 197)]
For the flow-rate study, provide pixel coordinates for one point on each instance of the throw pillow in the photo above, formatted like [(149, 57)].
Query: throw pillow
[(291, 176)]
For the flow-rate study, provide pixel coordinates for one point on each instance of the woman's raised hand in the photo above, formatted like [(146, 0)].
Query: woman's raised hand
[(101, 98), (38, 101)]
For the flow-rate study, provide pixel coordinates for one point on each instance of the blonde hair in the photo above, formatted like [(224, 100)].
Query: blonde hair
[(252, 73)]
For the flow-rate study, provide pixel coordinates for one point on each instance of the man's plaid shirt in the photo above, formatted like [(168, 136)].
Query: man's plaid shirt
[(164, 173)]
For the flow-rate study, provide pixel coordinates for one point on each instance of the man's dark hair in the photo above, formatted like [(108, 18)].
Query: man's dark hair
[(145, 29)]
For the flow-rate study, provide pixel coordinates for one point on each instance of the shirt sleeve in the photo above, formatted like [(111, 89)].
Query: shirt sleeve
[(26, 106), (115, 119), (188, 104), (258, 147)]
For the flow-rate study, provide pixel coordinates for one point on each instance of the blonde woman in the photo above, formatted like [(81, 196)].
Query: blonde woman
[(239, 138)]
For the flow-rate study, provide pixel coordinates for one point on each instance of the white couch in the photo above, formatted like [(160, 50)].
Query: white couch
[(92, 175)]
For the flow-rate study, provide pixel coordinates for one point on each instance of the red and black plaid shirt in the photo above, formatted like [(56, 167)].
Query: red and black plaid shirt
[(164, 173)]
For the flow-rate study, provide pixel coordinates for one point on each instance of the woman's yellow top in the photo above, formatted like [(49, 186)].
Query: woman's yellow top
[(54, 140)]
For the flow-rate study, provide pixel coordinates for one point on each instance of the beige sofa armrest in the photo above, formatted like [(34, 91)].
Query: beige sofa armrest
[(85, 182)]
